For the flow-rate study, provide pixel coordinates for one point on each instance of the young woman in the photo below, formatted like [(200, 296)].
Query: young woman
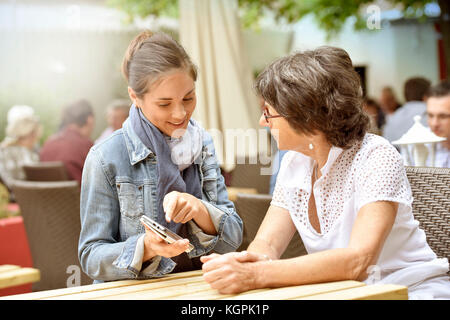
[(161, 164)]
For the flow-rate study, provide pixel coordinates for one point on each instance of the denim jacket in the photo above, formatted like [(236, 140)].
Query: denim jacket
[(119, 185)]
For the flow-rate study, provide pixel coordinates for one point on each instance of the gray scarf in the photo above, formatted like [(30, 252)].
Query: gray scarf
[(179, 177)]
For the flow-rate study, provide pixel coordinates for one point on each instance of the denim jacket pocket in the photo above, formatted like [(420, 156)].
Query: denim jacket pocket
[(210, 184), (130, 199)]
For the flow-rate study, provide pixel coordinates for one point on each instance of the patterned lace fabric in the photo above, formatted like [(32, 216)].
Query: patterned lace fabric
[(371, 170)]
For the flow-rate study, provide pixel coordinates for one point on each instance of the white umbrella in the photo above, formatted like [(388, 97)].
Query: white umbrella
[(227, 107)]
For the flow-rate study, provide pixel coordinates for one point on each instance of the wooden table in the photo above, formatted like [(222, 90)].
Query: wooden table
[(191, 286), (11, 275), (233, 191)]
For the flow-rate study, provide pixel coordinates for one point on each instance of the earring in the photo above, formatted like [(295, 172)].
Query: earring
[(311, 146)]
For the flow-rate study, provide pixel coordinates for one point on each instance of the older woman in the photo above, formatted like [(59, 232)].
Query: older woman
[(23, 131), (344, 190)]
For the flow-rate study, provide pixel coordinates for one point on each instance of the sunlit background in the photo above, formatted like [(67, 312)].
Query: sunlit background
[(53, 52)]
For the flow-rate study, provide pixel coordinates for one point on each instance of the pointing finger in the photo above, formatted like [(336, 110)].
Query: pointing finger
[(169, 205)]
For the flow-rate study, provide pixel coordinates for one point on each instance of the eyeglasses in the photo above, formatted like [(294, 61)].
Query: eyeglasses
[(267, 115)]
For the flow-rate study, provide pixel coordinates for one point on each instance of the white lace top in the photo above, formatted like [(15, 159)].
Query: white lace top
[(370, 171)]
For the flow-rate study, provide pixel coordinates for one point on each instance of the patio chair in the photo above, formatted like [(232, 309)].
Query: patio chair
[(431, 205), (252, 208), (51, 215), (248, 175), (46, 171)]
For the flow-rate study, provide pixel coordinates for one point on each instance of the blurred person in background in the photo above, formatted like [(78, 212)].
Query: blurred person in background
[(376, 116), (23, 131), (438, 118), (415, 91), (73, 141), (388, 102), (116, 114), (276, 163)]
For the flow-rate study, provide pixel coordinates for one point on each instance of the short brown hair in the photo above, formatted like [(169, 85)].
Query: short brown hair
[(150, 55), (317, 90), (415, 89), (441, 89), (77, 113)]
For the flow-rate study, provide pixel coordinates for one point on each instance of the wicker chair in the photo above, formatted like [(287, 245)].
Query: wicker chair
[(248, 175), (51, 215), (252, 208), (431, 205), (46, 171), (10, 195)]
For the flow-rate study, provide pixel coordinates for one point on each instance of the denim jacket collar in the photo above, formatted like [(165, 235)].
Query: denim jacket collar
[(137, 151)]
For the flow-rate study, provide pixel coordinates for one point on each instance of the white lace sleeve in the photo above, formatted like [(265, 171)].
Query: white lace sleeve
[(279, 197), (382, 177)]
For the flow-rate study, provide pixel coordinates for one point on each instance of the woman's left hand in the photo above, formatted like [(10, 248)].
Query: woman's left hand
[(233, 272)]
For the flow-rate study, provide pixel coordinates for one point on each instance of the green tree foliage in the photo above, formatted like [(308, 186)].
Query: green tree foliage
[(330, 15), (145, 8)]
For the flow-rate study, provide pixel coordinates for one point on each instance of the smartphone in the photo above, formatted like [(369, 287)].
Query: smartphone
[(163, 232)]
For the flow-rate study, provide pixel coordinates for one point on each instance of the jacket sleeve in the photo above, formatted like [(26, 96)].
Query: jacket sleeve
[(103, 256)]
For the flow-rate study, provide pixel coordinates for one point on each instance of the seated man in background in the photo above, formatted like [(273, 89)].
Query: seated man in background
[(72, 143), (415, 91), (117, 113), (23, 131), (438, 117)]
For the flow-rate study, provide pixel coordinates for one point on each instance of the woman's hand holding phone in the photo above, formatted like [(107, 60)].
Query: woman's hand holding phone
[(154, 245), (180, 208)]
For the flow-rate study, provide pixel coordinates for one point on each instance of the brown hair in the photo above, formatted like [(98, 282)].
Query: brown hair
[(393, 98), (317, 90), (415, 89), (77, 113), (149, 56), (439, 90)]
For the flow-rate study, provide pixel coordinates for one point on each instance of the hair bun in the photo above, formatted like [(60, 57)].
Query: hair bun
[(134, 46)]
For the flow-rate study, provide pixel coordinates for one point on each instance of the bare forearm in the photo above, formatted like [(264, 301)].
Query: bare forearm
[(325, 266), (274, 234), (263, 247)]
